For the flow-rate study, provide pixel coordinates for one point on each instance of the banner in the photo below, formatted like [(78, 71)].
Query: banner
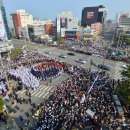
[(2, 28)]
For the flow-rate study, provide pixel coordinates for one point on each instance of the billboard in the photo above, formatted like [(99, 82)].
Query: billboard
[(62, 32), (89, 16), (3, 34), (63, 22), (58, 25)]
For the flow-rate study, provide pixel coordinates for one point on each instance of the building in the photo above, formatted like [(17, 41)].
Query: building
[(21, 19), (39, 27), (48, 27), (66, 22), (4, 29), (92, 15), (89, 34), (111, 25), (123, 20), (97, 27)]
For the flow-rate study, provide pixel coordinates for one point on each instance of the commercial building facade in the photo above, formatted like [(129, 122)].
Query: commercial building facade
[(92, 15), (21, 19), (4, 29), (67, 24), (123, 20)]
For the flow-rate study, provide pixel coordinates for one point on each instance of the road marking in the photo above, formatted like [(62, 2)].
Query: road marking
[(41, 94), (21, 92), (45, 94), (49, 89), (42, 88), (46, 87), (38, 93), (34, 93)]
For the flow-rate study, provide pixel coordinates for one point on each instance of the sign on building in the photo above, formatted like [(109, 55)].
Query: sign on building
[(3, 34), (58, 24)]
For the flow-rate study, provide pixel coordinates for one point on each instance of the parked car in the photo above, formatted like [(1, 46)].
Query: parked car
[(124, 66), (104, 67), (71, 54), (62, 56), (48, 52), (81, 61)]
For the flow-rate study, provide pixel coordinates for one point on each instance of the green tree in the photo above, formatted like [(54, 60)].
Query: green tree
[(123, 89), (1, 105), (15, 52), (60, 40)]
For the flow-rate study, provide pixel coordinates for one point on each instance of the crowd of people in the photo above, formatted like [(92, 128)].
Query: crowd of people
[(88, 49), (48, 69), (72, 104), (25, 76), (67, 107)]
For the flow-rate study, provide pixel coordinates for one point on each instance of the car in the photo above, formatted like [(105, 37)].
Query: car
[(48, 52), (124, 66), (71, 54), (97, 55), (104, 67), (62, 56), (81, 61)]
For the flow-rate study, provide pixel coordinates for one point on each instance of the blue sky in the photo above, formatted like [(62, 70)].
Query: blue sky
[(49, 8)]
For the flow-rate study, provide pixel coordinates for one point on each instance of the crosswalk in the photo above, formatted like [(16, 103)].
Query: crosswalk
[(117, 75), (42, 92)]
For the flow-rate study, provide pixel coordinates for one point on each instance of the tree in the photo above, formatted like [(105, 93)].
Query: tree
[(1, 105), (15, 52), (60, 40), (123, 89)]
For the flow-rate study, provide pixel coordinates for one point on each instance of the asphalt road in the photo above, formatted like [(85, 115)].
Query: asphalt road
[(115, 67)]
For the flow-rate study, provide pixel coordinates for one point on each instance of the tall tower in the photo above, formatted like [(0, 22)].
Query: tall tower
[(4, 29)]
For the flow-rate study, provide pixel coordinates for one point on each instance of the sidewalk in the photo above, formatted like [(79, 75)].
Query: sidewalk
[(11, 125)]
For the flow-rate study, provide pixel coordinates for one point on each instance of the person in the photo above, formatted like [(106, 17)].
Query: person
[(21, 118)]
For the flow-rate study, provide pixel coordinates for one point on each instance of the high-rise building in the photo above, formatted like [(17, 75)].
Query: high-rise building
[(123, 20), (92, 15), (67, 24), (4, 29), (21, 19)]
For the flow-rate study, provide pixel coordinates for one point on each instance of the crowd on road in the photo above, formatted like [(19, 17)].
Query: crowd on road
[(88, 49), (48, 69), (70, 105)]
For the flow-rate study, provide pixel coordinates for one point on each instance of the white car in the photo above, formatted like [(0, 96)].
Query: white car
[(124, 66), (48, 52), (97, 55), (81, 61), (62, 56)]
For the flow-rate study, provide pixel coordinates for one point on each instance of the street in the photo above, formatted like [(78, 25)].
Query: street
[(115, 66)]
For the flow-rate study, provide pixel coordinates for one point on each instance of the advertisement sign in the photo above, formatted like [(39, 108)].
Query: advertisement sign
[(90, 15), (58, 24), (62, 32), (2, 28), (63, 22)]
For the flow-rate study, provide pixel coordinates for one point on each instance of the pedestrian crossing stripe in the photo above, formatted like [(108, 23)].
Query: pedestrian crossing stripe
[(47, 93), (38, 93), (46, 88), (50, 88), (43, 90), (21, 92), (34, 92)]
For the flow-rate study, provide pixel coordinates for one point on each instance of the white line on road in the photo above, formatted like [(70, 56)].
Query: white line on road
[(38, 93), (21, 92), (45, 94)]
